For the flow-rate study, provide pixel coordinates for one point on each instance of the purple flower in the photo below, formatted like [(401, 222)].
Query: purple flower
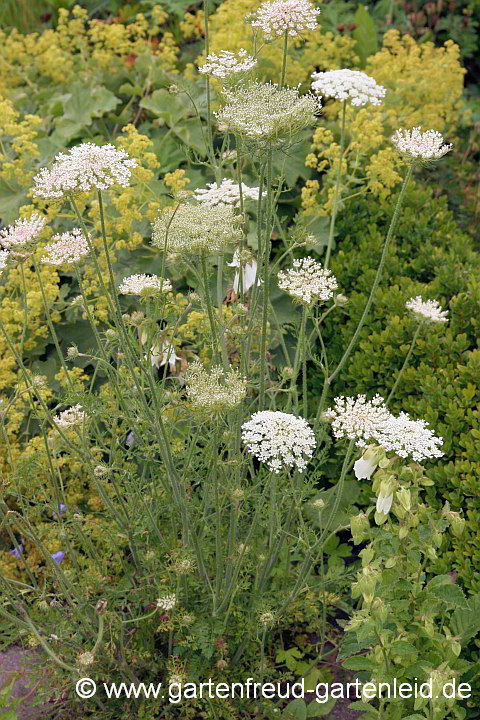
[(63, 510), (17, 552), (58, 557)]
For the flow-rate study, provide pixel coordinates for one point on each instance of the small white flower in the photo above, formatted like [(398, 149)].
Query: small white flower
[(384, 503), (308, 282), (429, 310), (160, 355), (249, 273), (415, 144), (85, 659), (69, 248), (227, 64), (364, 469), (228, 193), (141, 284), (280, 16), (73, 416), (279, 439), (216, 389), (352, 85), (167, 602), (22, 232), (84, 168)]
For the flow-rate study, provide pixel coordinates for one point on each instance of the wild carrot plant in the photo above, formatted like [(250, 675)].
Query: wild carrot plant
[(209, 469)]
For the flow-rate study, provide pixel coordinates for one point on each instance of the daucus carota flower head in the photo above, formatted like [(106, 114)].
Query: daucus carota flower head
[(415, 144), (73, 416), (429, 310), (141, 284), (352, 85), (70, 247), (363, 420), (197, 228), (167, 602), (3, 259), (308, 282), (264, 114), (23, 232), (279, 439), (280, 16), (228, 65), (228, 193), (84, 168), (214, 390)]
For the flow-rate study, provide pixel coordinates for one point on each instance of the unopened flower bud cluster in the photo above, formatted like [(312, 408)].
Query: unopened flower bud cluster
[(197, 228), (214, 390)]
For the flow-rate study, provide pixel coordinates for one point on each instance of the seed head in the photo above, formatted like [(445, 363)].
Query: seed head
[(197, 228), (73, 416), (214, 390)]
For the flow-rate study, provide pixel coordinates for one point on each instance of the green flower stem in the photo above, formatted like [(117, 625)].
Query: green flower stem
[(221, 325), (405, 363), (266, 280), (25, 309), (284, 59), (99, 640), (371, 297), (306, 565), (300, 358), (337, 189), (219, 561), (256, 287), (208, 301), (210, 149), (52, 329), (262, 651), (42, 642)]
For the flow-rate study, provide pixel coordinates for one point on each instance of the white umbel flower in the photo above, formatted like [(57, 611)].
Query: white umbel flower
[(84, 168), (3, 260), (280, 16), (308, 282), (429, 310), (228, 193), (214, 390), (263, 113), (353, 85), (141, 284), (279, 439), (69, 248), (415, 144), (167, 602), (227, 64), (363, 420), (23, 232), (197, 228), (73, 416)]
